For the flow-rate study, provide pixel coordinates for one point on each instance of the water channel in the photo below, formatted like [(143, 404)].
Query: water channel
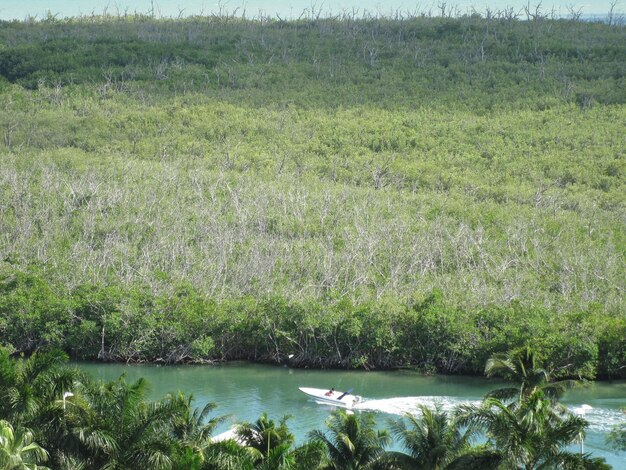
[(244, 391)]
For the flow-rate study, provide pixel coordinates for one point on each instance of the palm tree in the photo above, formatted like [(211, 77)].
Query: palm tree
[(227, 455), (433, 440), (17, 449), (29, 386), (31, 392), (269, 445), (352, 442), (113, 426), (191, 429), (530, 435), (262, 436), (309, 454), (523, 367), (283, 457)]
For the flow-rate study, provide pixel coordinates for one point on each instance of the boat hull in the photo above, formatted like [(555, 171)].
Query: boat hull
[(319, 395)]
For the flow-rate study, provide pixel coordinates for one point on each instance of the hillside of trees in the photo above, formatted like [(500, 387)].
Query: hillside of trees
[(355, 192)]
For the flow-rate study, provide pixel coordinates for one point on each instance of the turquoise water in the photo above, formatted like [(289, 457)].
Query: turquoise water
[(244, 391), (10, 9)]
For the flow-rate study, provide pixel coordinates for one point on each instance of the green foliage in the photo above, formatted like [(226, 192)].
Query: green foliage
[(17, 449), (112, 425), (38, 317), (433, 441), (269, 445), (419, 192), (523, 367), (29, 386), (612, 348), (525, 423), (528, 435), (351, 441), (130, 323), (327, 60), (264, 436)]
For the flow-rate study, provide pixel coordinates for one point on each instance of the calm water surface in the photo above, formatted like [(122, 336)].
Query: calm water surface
[(244, 391)]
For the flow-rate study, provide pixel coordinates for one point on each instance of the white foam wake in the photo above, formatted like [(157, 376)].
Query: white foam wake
[(600, 419), (401, 405)]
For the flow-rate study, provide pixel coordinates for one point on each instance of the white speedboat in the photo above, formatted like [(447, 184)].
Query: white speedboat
[(332, 397)]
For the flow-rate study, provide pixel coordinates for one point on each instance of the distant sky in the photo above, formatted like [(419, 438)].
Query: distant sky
[(16, 9)]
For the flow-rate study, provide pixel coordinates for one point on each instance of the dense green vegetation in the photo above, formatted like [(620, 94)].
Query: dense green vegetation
[(420, 192), (116, 323), (87, 424)]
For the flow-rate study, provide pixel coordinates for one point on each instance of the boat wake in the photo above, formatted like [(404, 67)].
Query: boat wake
[(600, 419), (401, 405)]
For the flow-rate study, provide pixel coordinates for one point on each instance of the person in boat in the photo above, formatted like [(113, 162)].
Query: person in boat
[(330, 392)]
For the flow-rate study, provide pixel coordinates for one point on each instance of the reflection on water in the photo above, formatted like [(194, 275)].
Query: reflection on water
[(243, 391)]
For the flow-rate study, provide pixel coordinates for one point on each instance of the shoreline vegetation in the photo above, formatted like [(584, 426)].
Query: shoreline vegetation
[(117, 324), (420, 192)]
